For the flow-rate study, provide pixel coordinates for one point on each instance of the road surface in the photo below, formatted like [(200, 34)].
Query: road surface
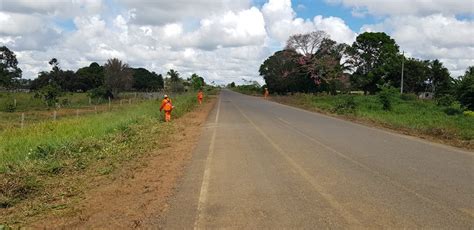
[(262, 165)]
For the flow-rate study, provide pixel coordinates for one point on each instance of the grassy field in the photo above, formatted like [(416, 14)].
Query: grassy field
[(407, 114), (46, 154)]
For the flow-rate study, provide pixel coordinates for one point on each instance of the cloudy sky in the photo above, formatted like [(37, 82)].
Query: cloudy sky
[(223, 40)]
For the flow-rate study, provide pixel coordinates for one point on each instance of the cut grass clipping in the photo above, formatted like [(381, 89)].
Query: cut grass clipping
[(42, 155)]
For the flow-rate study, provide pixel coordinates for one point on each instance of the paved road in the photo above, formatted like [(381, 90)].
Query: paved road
[(260, 164)]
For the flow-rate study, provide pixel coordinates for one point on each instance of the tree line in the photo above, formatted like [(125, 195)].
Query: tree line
[(312, 63), (106, 80)]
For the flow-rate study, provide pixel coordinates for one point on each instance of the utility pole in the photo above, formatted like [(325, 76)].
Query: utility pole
[(403, 65)]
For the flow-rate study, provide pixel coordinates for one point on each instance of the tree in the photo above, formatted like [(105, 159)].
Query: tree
[(465, 89), (306, 44), (196, 81), (175, 82), (416, 76), (118, 76), (373, 55), (282, 74), (90, 77), (440, 79), (146, 81), (9, 70)]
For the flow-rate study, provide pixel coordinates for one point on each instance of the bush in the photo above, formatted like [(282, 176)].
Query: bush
[(100, 92), (386, 97), (50, 94), (468, 113), (408, 97), (9, 107), (347, 104), (452, 111), (445, 100)]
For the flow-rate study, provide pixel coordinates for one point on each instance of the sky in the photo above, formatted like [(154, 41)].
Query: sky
[(223, 40)]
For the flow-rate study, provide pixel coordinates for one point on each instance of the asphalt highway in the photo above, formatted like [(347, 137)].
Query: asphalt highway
[(262, 165)]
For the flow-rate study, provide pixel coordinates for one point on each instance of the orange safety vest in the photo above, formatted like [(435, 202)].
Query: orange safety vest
[(166, 105), (200, 96)]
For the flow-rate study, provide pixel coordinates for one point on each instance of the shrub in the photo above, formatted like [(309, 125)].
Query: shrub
[(50, 94), (468, 113), (408, 97), (445, 100), (347, 104), (386, 97), (9, 107), (452, 111), (100, 92)]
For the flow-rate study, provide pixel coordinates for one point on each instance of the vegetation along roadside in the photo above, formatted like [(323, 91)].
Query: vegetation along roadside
[(45, 167)]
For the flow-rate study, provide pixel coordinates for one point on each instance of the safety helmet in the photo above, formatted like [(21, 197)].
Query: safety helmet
[(166, 96)]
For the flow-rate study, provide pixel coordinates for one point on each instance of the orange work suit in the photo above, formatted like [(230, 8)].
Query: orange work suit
[(167, 107), (200, 96)]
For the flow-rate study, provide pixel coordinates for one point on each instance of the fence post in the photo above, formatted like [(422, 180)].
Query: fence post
[(22, 120), (130, 101), (95, 109), (121, 102), (55, 114), (77, 113), (109, 103), (14, 102)]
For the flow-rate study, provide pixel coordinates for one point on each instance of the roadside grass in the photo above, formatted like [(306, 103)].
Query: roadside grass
[(43, 166), (407, 114)]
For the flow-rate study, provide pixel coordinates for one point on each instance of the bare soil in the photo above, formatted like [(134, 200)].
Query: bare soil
[(139, 193)]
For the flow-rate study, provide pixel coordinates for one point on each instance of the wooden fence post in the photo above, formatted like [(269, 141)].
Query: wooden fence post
[(109, 103), (22, 120), (77, 113), (95, 109), (55, 114)]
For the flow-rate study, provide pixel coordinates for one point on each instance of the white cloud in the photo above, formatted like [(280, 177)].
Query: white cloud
[(282, 22), (433, 37), (407, 7)]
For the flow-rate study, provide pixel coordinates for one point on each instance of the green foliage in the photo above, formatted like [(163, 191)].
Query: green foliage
[(196, 81), (452, 111), (468, 113), (386, 97), (373, 54), (144, 80), (100, 92), (465, 89), (50, 94), (445, 100), (408, 97), (118, 76), (345, 104), (9, 71), (281, 74)]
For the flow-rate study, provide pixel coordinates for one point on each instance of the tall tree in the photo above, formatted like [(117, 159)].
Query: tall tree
[(90, 77), (146, 80), (440, 79), (373, 55), (118, 76), (196, 81), (175, 82), (465, 89), (9, 70), (282, 74)]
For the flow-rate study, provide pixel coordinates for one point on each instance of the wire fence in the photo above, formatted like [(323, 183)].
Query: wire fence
[(21, 119)]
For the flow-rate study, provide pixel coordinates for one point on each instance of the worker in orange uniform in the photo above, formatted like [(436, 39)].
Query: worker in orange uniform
[(200, 96), (266, 93), (167, 107)]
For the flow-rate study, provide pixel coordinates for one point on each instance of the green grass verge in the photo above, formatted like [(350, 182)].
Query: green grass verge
[(407, 113), (38, 161)]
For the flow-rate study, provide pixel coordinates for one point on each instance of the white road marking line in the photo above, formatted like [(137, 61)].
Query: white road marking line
[(348, 217), (207, 173), (389, 179)]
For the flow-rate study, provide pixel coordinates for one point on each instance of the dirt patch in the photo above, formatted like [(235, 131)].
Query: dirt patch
[(140, 191)]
